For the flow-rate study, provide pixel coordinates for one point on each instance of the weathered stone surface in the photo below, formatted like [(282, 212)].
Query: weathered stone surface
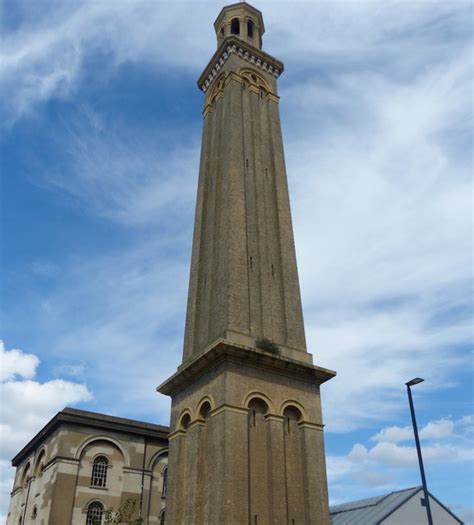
[(258, 456), (53, 479)]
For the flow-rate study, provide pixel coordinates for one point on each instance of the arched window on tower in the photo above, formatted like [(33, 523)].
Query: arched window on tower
[(250, 26), (165, 482), (235, 26), (94, 513), (99, 472), (162, 517)]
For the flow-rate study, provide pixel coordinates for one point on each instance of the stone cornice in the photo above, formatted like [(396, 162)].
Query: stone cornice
[(73, 416), (225, 351), (233, 45)]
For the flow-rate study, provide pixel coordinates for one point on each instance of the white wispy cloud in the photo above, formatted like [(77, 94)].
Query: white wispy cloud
[(135, 177), (45, 56)]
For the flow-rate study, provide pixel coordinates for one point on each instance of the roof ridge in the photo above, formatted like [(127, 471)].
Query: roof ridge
[(371, 501)]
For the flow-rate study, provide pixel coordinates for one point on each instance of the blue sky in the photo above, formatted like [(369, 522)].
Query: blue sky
[(100, 134)]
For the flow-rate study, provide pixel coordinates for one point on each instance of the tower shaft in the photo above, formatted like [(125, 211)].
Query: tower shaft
[(246, 444), (244, 280)]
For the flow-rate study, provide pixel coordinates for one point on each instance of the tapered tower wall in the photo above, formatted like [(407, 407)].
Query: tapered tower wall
[(246, 443), (244, 280)]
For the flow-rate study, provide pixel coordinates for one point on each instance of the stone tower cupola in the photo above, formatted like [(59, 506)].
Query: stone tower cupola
[(242, 21)]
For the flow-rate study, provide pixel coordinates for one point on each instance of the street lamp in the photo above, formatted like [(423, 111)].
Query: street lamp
[(426, 502)]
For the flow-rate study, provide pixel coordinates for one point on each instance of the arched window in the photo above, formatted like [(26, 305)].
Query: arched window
[(99, 471), (165, 483), (235, 26), (34, 512), (250, 28), (94, 513), (162, 517)]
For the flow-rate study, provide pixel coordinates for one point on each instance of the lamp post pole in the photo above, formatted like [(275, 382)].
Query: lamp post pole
[(418, 448)]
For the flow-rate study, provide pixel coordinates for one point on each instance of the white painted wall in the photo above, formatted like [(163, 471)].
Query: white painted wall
[(412, 513)]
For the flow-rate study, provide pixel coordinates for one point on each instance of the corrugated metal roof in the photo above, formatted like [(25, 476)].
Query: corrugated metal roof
[(371, 510)]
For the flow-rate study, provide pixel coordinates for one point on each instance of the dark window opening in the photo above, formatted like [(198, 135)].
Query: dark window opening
[(162, 517), (250, 29), (235, 27), (34, 513)]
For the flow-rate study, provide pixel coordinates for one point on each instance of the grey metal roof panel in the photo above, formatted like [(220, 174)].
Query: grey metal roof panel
[(371, 510)]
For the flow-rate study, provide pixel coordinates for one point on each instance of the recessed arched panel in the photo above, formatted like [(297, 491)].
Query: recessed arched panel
[(294, 405), (25, 475), (217, 89), (158, 458), (205, 406), (92, 440), (254, 79), (184, 421), (258, 395)]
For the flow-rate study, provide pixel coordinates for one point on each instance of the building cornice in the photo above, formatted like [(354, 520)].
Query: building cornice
[(235, 46), (73, 416)]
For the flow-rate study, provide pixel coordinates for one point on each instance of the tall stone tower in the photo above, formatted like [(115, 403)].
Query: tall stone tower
[(246, 442)]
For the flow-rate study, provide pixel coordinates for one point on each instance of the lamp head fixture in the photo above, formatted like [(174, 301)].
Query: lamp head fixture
[(414, 381)]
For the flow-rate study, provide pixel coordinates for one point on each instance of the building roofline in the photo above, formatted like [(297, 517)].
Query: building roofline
[(410, 493), (92, 419)]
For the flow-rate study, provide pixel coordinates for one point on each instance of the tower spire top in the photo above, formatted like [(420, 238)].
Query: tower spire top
[(240, 20)]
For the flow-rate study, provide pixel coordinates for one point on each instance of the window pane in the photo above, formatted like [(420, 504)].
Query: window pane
[(99, 472)]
